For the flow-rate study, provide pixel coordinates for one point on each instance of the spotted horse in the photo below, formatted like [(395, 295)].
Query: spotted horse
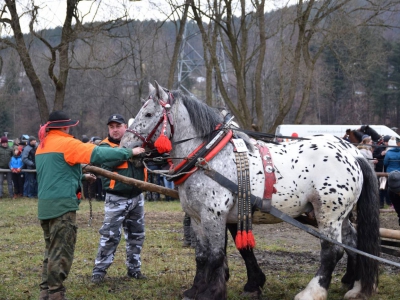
[(319, 173)]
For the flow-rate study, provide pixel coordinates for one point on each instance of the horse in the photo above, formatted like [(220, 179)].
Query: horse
[(355, 136), (318, 173)]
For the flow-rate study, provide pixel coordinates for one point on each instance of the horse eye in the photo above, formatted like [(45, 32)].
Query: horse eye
[(148, 115)]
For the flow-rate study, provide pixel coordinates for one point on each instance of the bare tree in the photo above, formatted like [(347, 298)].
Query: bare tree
[(59, 55)]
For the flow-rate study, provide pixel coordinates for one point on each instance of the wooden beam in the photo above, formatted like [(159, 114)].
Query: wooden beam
[(145, 186)]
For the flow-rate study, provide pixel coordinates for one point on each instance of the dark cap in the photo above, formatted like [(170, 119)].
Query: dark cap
[(394, 181), (31, 138), (386, 138), (116, 118)]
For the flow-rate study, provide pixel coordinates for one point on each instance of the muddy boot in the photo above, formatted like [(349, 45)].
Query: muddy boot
[(187, 239), (60, 295), (44, 295), (193, 238)]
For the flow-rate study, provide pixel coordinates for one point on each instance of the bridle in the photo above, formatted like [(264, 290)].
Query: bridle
[(166, 117)]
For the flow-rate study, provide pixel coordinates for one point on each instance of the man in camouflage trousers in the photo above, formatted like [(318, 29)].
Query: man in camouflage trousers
[(124, 207)]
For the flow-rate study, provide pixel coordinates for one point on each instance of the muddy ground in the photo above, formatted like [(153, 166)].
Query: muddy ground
[(283, 247)]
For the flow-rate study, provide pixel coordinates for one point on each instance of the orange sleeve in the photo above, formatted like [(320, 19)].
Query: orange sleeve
[(77, 152)]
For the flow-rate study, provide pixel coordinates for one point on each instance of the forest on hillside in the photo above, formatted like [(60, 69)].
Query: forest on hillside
[(317, 62)]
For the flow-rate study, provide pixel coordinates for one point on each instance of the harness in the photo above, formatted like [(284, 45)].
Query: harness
[(164, 119)]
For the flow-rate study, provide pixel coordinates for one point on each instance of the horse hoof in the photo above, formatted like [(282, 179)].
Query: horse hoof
[(251, 295)]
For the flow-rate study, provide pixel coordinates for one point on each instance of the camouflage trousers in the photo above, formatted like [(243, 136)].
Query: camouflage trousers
[(60, 239), (126, 213)]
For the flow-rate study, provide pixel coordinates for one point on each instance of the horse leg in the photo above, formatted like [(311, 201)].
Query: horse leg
[(349, 237), (255, 276), (317, 288), (211, 265)]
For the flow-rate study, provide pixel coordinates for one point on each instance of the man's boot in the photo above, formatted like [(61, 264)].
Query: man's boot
[(60, 295), (44, 295)]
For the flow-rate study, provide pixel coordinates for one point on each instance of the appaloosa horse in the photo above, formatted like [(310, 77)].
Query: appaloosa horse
[(317, 173)]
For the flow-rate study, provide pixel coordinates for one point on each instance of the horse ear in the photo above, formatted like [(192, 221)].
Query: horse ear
[(152, 89), (160, 92), (142, 100)]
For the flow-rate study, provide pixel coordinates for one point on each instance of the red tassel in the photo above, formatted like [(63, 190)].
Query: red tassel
[(244, 239), (251, 242), (163, 144), (238, 240)]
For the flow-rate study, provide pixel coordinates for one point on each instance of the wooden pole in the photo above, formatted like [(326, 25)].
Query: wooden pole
[(131, 181), (389, 233)]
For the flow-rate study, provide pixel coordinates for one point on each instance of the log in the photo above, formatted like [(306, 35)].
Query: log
[(389, 233), (145, 186)]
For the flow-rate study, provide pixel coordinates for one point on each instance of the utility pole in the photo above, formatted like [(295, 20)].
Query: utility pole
[(191, 64)]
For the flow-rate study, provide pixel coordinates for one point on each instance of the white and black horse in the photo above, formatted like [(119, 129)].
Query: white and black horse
[(320, 173)]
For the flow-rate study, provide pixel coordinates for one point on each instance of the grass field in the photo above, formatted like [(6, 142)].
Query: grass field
[(169, 267)]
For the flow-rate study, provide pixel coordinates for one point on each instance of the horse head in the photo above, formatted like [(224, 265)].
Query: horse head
[(366, 129), (153, 126)]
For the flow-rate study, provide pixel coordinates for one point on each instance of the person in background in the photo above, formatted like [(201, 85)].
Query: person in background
[(87, 187), (59, 172), (18, 178), (99, 194), (28, 158), (394, 191), (5, 156), (379, 154), (365, 148), (124, 207), (279, 138)]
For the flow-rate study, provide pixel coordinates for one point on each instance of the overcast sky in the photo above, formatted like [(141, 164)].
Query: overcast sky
[(52, 12)]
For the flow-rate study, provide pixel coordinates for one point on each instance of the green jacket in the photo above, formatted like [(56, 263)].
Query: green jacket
[(126, 169), (5, 157), (59, 172)]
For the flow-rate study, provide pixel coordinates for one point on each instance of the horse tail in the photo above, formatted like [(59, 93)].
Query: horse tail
[(368, 238)]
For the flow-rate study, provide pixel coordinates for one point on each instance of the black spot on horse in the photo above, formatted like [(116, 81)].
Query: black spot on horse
[(332, 190)]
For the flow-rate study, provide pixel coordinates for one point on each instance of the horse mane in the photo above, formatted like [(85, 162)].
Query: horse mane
[(203, 118)]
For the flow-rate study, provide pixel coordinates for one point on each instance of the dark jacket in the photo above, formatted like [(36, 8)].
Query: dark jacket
[(5, 157), (28, 157), (125, 168), (378, 155)]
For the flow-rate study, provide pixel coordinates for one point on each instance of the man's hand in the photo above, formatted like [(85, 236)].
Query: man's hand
[(137, 151), (90, 177)]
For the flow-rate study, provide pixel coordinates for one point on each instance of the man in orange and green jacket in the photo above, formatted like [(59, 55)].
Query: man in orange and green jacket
[(59, 172)]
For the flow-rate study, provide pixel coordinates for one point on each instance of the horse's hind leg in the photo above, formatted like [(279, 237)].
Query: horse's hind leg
[(255, 276), (349, 237), (317, 288)]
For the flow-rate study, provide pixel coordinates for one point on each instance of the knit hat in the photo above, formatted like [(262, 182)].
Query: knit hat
[(365, 136), (392, 142), (386, 138), (295, 135), (394, 181), (4, 139), (31, 138), (85, 139)]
